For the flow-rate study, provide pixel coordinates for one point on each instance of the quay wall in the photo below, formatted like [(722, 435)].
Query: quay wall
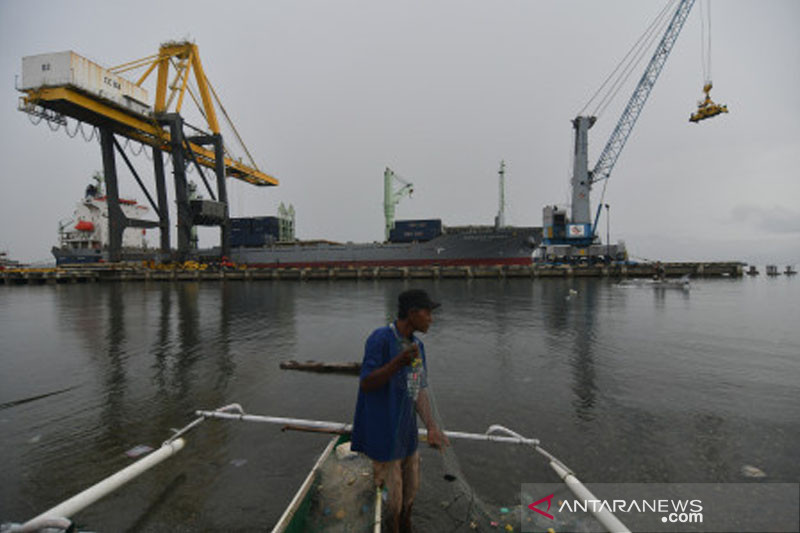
[(107, 272)]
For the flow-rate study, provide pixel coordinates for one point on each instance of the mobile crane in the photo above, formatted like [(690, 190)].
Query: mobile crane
[(574, 238)]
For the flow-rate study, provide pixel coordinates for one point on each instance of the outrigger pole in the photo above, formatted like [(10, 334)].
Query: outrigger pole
[(605, 517), (57, 518)]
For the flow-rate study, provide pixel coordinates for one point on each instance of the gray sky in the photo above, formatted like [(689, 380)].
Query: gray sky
[(327, 94)]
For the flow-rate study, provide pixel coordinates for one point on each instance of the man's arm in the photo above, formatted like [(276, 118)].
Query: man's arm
[(436, 438), (381, 376)]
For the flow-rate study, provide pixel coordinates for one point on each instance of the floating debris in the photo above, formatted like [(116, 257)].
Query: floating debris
[(752, 471), (136, 451), (238, 462), (35, 439)]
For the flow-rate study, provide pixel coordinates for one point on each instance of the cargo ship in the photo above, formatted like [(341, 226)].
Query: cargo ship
[(269, 242), (450, 246), (83, 238)]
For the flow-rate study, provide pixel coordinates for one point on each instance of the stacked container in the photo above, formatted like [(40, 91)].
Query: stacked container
[(254, 231), (415, 230)]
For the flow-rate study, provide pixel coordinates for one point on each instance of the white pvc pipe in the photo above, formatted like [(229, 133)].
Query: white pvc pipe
[(604, 516), (339, 426), (86, 498)]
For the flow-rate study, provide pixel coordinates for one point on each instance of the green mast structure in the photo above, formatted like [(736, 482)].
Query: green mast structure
[(391, 197)]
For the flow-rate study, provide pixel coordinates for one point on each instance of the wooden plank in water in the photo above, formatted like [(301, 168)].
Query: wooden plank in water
[(352, 368)]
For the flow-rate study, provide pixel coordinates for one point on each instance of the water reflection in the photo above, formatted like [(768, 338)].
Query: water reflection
[(114, 377), (571, 313)]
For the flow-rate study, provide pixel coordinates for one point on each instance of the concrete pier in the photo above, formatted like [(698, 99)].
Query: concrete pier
[(108, 272)]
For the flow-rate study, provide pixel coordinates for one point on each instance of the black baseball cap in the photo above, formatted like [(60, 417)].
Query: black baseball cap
[(415, 299)]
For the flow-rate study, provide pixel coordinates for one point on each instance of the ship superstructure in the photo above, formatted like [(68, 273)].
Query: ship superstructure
[(84, 237)]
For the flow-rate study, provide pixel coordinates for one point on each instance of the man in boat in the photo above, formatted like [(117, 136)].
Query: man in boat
[(393, 390)]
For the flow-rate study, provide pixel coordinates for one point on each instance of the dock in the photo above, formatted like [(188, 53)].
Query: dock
[(118, 272)]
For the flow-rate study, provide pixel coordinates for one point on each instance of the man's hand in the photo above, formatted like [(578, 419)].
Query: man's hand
[(405, 357), (437, 438), (379, 377)]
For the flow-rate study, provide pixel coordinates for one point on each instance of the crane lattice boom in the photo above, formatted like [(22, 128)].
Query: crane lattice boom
[(615, 144)]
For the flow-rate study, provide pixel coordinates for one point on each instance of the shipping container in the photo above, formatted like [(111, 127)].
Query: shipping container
[(240, 224), (415, 230), (434, 224), (254, 231), (411, 236), (68, 69), (207, 211)]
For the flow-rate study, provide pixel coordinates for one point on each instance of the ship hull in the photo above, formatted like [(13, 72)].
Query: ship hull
[(70, 256), (469, 246), (507, 246)]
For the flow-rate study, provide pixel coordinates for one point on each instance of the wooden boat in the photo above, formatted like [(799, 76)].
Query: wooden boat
[(337, 495)]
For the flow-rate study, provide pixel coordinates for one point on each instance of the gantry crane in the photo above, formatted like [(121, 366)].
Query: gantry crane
[(63, 85), (575, 237)]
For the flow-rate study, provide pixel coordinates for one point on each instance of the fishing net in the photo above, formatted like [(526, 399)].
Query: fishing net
[(342, 498), (454, 505)]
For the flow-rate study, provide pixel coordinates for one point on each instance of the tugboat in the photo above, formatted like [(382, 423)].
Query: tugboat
[(84, 237)]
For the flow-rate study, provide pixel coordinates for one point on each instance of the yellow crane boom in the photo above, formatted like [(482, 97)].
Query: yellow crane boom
[(75, 100), (64, 84)]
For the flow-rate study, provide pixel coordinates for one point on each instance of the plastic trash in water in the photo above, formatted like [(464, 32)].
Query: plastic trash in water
[(139, 450), (752, 471), (238, 462)]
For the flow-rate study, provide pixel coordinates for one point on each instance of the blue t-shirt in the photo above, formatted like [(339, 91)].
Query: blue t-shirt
[(385, 423)]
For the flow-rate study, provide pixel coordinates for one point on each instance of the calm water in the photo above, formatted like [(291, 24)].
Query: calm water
[(622, 384)]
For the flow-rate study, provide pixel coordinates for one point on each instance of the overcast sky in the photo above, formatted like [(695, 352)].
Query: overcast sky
[(326, 94)]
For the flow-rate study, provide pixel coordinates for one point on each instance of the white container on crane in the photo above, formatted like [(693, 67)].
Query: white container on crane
[(68, 69)]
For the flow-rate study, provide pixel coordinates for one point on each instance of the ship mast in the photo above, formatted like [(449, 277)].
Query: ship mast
[(500, 221)]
